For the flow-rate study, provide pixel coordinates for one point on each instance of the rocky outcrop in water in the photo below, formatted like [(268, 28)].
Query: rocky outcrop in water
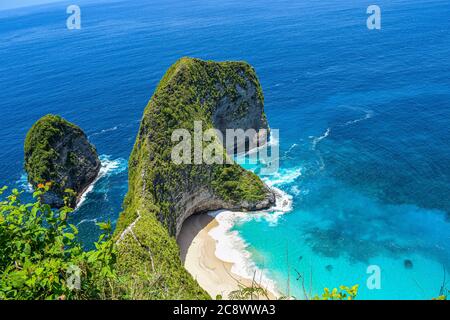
[(58, 152), (162, 194)]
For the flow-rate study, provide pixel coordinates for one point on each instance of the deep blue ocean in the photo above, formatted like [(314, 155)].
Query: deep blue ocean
[(364, 119)]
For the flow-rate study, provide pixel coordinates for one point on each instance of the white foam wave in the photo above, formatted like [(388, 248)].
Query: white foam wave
[(286, 153), (86, 221), (283, 203), (231, 248), (316, 140), (108, 167), (105, 130), (283, 177), (295, 190), (24, 184), (291, 147), (368, 115)]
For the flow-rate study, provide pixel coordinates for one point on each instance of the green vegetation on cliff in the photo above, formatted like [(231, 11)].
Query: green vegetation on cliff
[(58, 151), (161, 191), (39, 147), (148, 261), (190, 91)]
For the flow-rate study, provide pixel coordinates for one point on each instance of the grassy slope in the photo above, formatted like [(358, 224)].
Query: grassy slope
[(189, 91)]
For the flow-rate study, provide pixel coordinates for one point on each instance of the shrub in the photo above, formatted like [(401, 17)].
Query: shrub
[(41, 258), (343, 293)]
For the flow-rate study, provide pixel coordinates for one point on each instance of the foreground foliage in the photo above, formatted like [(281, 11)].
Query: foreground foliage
[(256, 291), (41, 258), (343, 293)]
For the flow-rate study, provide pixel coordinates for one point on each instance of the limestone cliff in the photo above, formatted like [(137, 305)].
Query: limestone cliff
[(59, 152), (163, 194)]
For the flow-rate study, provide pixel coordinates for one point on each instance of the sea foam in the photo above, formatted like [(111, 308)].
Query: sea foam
[(231, 247), (283, 177), (316, 140), (24, 184), (108, 167)]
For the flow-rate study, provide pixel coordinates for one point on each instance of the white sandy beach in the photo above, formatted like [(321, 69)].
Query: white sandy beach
[(198, 253)]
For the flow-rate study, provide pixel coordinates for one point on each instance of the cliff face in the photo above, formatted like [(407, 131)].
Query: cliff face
[(58, 151), (241, 101), (163, 194)]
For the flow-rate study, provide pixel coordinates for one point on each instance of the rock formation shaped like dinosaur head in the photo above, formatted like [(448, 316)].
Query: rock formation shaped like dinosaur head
[(163, 193), (225, 95)]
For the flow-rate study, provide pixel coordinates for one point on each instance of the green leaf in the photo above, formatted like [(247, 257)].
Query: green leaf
[(74, 228), (27, 249), (104, 226), (38, 271), (69, 235)]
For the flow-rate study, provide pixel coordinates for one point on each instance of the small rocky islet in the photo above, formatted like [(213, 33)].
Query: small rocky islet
[(58, 152)]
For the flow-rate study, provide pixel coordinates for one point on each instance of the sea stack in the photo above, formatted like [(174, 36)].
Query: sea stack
[(58, 152), (162, 193)]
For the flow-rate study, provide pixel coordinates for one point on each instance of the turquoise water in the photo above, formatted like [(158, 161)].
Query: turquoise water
[(363, 118)]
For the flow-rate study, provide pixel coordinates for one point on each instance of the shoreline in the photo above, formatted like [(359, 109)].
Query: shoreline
[(217, 257), (200, 255)]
